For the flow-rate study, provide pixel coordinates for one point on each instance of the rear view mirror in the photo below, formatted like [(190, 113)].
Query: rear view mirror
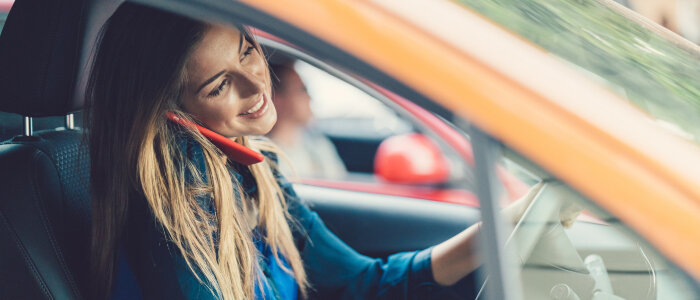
[(410, 159)]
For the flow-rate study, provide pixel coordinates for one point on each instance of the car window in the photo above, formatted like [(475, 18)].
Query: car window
[(327, 128), (355, 122), (658, 73), (566, 247), (3, 17), (349, 130), (334, 99)]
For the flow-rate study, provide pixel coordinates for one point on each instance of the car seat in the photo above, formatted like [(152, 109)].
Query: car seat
[(44, 184)]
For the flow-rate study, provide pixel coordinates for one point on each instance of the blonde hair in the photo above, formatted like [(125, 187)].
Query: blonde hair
[(191, 227), (133, 149)]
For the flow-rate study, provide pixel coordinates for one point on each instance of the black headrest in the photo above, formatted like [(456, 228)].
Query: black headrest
[(40, 57)]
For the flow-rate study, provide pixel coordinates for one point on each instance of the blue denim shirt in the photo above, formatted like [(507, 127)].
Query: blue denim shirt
[(334, 269)]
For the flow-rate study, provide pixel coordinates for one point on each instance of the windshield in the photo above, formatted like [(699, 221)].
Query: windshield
[(649, 70)]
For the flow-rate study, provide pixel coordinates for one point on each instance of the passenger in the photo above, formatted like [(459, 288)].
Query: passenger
[(312, 153), (174, 216)]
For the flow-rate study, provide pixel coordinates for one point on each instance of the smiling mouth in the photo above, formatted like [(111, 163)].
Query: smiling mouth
[(258, 109)]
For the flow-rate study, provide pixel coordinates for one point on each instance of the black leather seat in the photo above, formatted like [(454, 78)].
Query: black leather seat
[(44, 217), (44, 184)]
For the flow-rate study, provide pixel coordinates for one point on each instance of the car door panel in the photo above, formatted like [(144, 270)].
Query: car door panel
[(379, 225)]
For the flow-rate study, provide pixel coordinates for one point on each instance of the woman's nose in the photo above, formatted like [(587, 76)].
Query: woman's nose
[(248, 84)]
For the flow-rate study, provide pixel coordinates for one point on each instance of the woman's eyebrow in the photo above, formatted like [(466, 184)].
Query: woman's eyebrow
[(208, 81)]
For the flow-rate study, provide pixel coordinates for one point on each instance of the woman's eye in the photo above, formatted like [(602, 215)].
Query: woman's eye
[(247, 52), (217, 91)]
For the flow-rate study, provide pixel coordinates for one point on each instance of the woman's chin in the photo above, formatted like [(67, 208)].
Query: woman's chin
[(268, 121)]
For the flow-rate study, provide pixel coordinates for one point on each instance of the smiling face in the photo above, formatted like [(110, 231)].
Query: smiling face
[(228, 85)]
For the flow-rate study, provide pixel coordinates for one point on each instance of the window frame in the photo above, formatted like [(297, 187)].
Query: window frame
[(452, 155)]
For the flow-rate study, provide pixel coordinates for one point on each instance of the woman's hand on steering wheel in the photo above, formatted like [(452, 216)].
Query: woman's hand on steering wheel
[(568, 211), (515, 211)]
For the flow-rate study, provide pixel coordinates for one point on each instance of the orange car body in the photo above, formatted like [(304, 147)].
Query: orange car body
[(573, 127)]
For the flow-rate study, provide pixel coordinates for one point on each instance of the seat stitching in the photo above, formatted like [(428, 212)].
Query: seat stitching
[(49, 151), (25, 255), (47, 228), (62, 261)]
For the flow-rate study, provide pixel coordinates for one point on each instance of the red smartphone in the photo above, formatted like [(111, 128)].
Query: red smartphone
[(235, 151)]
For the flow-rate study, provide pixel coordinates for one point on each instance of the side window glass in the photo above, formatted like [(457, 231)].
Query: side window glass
[(331, 130), (328, 128), (566, 247), (3, 17)]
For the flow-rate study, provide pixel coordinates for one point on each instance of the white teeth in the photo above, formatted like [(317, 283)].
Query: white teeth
[(256, 107)]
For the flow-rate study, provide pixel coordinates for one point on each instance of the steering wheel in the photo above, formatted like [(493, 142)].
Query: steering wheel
[(540, 229), (551, 264), (538, 238)]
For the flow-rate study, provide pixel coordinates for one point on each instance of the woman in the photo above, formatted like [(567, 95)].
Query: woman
[(312, 152), (171, 212)]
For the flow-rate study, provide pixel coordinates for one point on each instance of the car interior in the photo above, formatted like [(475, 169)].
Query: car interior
[(44, 179), (44, 209), (45, 198), (362, 143), (595, 257)]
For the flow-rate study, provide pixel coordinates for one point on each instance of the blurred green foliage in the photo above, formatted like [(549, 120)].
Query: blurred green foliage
[(643, 67)]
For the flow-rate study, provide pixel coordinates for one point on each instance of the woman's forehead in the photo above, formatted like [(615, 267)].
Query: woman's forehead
[(219, 46)]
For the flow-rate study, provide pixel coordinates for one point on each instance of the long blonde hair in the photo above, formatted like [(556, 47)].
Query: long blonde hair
[(137, 76)]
